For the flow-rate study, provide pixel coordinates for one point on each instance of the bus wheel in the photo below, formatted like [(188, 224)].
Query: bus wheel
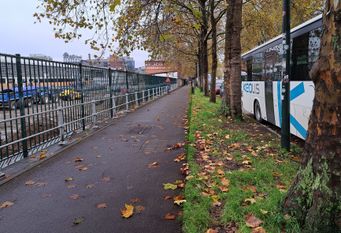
[(257, 112)]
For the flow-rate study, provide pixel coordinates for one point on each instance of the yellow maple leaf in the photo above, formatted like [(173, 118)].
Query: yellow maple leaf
[(179, 202), (128, 211)]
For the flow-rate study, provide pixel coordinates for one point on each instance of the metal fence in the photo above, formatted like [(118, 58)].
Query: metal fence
[(42, 101)]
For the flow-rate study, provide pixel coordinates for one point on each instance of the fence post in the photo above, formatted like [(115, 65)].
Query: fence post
[(82, 95), (113, 106), (94, 114), (127, 82), (61, 125), (148, 94), (143, 98), (153, 92), (136, 99), (110, 93), (22, 105), (127, 102)]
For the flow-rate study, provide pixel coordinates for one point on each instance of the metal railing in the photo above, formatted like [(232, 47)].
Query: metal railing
[(43, 102)]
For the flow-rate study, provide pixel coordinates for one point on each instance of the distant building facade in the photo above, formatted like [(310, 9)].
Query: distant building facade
[(122, 63), (71, 58), (41, 56), (160, 68)]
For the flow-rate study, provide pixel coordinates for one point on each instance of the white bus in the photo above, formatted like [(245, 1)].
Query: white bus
[(261, 86)]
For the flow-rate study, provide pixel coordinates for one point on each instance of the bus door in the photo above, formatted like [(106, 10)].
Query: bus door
[(269, 102), (269, 72)]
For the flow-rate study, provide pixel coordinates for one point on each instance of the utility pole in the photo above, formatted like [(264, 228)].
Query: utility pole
[(285, 126)]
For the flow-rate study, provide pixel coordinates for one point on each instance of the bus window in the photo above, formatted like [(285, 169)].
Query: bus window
[(300, 69), (249, 69), (257, 67), (314, 45)]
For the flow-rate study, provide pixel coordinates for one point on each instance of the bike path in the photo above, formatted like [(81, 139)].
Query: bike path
[(114, 170)]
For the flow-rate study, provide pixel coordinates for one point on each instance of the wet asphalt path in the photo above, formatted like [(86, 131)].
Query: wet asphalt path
[(115, 170)]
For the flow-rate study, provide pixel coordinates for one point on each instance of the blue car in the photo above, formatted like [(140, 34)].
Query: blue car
[(10, 97)]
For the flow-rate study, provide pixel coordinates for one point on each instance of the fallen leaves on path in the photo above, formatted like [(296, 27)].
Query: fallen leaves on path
[(106, 178), (180, 157), (135, 200), (81, 167), (179, 202), (167, 197), (42, 155), (6, 204), (176, 146), (185, 169), (252, 221), (68, 179), (78, 220), (74, 196), (153, 165), (78, 159), (101, 206), (139, 209), (30, 182), (127, 211), (90, 186), (170, 186), (170, 216)]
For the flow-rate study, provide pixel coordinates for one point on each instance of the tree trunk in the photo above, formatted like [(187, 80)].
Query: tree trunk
[(203, 41), (201, 84), (228, 35), (314, 199), (214, 53), (235, 62)]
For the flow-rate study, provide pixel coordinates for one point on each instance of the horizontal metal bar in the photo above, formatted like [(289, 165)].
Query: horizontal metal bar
[(60, 126)]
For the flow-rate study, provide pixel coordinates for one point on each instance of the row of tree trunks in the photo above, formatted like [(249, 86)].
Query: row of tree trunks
[(214, 53), (314, 198)]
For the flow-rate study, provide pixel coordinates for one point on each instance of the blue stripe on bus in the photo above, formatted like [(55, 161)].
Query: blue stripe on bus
[(298, 126), (297, 91), (294, 93), (279, 101)]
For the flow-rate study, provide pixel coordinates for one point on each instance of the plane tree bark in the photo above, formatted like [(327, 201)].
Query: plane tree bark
[(232, 62), (314, 198), (214, 52)]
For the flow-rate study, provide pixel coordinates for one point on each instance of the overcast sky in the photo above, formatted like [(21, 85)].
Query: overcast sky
[(19, 34)]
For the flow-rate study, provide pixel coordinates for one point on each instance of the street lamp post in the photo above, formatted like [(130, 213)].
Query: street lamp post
[(285, 126)]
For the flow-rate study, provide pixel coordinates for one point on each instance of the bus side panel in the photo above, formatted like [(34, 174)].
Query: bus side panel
[(252, 91), (301, 103), (301, 100), (277, 90)]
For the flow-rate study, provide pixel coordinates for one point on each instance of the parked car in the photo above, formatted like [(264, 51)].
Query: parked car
[(10, 97), (70, 94), (218, 86)]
